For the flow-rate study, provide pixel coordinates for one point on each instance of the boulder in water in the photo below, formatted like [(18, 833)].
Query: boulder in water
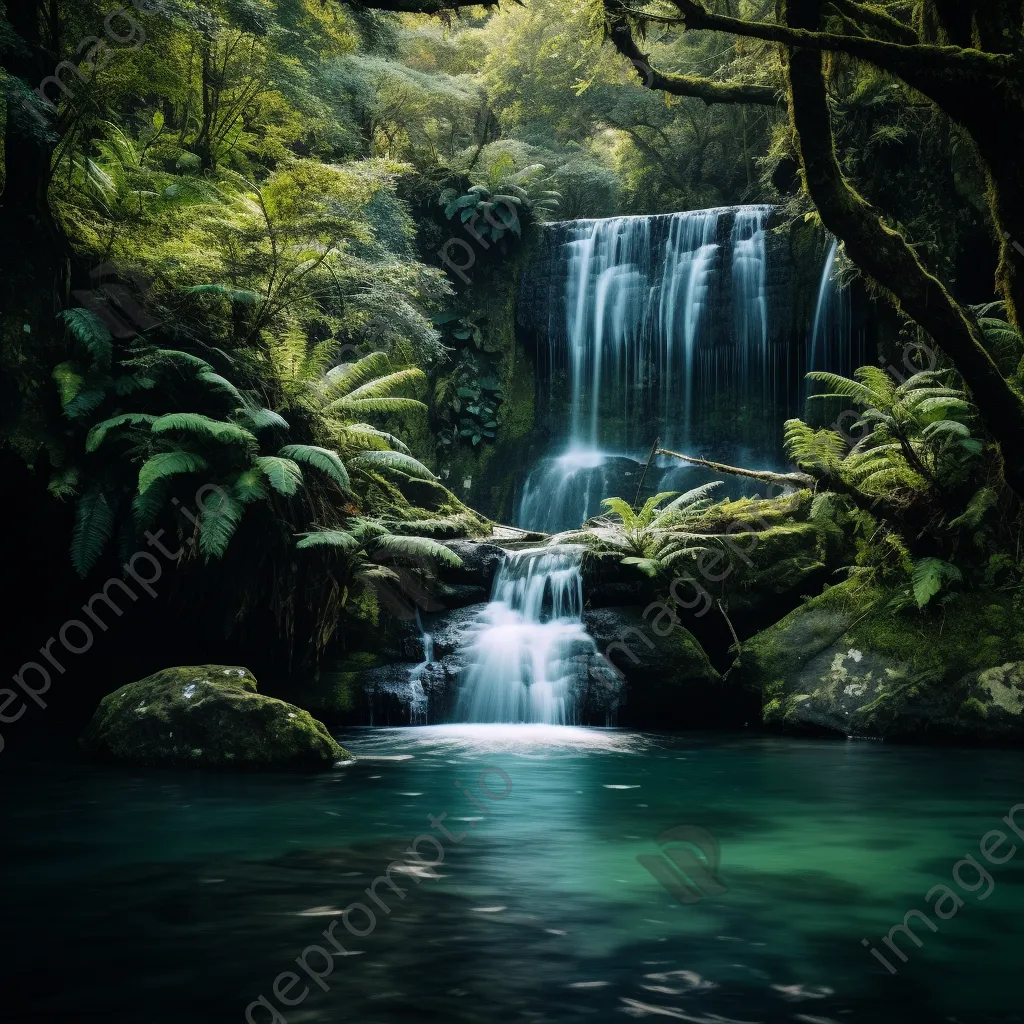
[(669, 681), (208, 716)]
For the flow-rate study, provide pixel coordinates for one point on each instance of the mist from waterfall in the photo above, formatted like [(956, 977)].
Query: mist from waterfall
[(528, 656)]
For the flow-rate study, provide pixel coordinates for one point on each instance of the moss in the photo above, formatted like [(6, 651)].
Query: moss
[(209, 715), (336, 690)]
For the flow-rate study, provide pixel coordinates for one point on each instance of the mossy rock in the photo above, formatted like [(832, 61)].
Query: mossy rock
[(207, 716), (669, 680), (850, 662)]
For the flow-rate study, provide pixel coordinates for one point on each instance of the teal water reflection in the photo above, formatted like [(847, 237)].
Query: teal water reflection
[(149, 896)]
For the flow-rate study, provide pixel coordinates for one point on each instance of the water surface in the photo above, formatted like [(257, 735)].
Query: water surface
[(157, 896)]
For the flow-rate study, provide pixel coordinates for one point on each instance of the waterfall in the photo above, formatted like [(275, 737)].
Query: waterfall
[(528, 656), (834, 344)]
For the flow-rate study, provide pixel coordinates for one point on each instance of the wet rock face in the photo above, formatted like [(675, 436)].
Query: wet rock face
[(669, 681), (449, 631), (847, 664), (206, 716), (480, 562)]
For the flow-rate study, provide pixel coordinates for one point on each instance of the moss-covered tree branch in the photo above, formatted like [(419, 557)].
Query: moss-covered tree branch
[(711, 92), (885, 254), (895, 57)]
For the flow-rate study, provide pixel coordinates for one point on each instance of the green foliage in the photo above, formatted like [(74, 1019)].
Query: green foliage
[(929, 577)]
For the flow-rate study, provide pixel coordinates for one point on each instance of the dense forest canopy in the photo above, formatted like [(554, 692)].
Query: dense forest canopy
[(227, 259)]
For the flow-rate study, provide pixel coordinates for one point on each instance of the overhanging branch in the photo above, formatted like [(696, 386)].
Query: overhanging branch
[(705, 89), (899, 58)]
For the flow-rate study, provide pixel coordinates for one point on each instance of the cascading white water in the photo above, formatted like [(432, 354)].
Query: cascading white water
[(750, 303), (831, 346), (634, 324), (528, 656)]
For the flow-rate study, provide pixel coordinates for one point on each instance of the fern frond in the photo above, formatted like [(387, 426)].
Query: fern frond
[(166, 464), (94, 526), (217, 524), (249, 486), (221, 384), (261, 419), (929, 576), (92, 333), (205, 427), (283, 474), (320, 458), (340, 540), (385, 387), (346, 378), (399, 461), (98, 433), (416, 549), (373, 406)]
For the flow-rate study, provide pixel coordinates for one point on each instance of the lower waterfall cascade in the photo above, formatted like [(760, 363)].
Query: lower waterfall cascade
[(528, 655)]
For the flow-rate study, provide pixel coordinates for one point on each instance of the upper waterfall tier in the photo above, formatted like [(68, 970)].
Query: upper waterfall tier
[(689, 326)]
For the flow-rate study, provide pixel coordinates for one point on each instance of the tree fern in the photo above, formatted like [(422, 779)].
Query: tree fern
[(92, 333), (166, 464), (320, 458), (282, 473), (97, 435), (94, 526), (929, 575), (204, 427)]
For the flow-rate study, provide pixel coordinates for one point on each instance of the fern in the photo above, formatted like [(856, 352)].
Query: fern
[(240, 295), (217, 525), (395, 461), (262, 419), (320, 458), (249, 486), (94, 526), (97, 435), (92, 333), (282, 473), (89, 398), (166, 464), (221, 384), (374, 406), (69, 381), (339, 540), (204, 426), (416, 549), (929, 575), (972, 516)]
